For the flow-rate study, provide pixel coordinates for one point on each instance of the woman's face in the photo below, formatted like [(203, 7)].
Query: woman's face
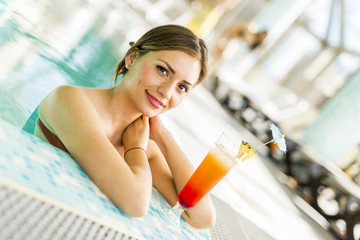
[(159, 81)]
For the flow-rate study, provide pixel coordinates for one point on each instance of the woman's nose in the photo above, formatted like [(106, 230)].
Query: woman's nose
[(166, 90)]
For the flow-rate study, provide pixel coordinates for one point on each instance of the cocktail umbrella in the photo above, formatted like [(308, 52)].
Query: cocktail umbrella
[(278, 138)]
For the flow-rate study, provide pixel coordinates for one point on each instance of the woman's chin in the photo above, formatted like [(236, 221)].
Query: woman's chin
[(150, 114)]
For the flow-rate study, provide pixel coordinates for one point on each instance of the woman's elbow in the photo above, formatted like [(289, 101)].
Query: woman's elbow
[(205, 222), (134, 201), (136, 209), (135, 206), (211, 221)]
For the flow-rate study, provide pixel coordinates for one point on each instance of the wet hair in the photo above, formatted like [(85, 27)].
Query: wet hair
[(168, 37)]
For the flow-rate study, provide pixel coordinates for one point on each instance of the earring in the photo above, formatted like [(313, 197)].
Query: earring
[(127, 66)]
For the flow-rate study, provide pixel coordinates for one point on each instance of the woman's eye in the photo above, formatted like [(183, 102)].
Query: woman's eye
[(183, 88), (162, 70)]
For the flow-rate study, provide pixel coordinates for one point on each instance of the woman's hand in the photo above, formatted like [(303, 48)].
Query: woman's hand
[(156, 127), (137, 134)]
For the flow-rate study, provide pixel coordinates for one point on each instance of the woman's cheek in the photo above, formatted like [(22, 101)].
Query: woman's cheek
[(175, 101), (147, 74)]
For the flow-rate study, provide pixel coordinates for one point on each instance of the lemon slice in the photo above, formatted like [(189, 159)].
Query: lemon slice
[(246, 148)]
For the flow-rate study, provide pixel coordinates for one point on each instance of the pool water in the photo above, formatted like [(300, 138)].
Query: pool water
[(44, 44)]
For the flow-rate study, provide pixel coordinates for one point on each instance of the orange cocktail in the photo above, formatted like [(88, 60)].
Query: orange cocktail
[(222, 157), (212, 169)]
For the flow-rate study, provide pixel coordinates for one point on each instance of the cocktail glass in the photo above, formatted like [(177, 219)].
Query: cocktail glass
[(221, 158)]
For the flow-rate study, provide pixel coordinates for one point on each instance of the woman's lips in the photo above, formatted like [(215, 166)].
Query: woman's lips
[(154, 101)]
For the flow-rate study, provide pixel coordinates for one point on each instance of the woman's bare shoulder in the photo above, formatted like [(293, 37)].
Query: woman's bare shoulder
[(67, 104), (64, 98), (64, 93)]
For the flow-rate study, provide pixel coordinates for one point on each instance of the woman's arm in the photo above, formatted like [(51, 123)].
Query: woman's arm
[(171, 169), (127, 183)]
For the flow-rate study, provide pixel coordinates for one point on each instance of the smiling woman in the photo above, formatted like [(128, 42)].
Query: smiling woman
[(115, 134)]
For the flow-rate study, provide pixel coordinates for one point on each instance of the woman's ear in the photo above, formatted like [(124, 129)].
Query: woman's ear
[(129, 59)]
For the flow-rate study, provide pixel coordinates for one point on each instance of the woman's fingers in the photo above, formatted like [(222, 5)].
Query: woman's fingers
[(137, 133), (156, 127)]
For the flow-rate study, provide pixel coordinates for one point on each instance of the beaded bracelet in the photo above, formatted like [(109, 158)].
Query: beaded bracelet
[(133, 149)]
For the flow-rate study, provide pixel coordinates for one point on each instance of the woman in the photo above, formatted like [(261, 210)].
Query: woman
[(115, 134)]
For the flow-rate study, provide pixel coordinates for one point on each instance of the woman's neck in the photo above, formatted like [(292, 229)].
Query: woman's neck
[(121, 109)]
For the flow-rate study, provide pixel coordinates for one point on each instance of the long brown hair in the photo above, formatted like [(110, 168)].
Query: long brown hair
[(168, 37)]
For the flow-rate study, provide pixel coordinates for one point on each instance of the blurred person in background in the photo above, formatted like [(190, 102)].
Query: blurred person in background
[(207, 15), (249, 33)]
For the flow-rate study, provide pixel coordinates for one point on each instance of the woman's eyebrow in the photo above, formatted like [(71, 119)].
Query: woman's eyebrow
[(168, 65), (186, 82)]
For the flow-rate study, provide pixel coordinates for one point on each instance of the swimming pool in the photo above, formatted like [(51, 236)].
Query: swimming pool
[(44, 44)]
